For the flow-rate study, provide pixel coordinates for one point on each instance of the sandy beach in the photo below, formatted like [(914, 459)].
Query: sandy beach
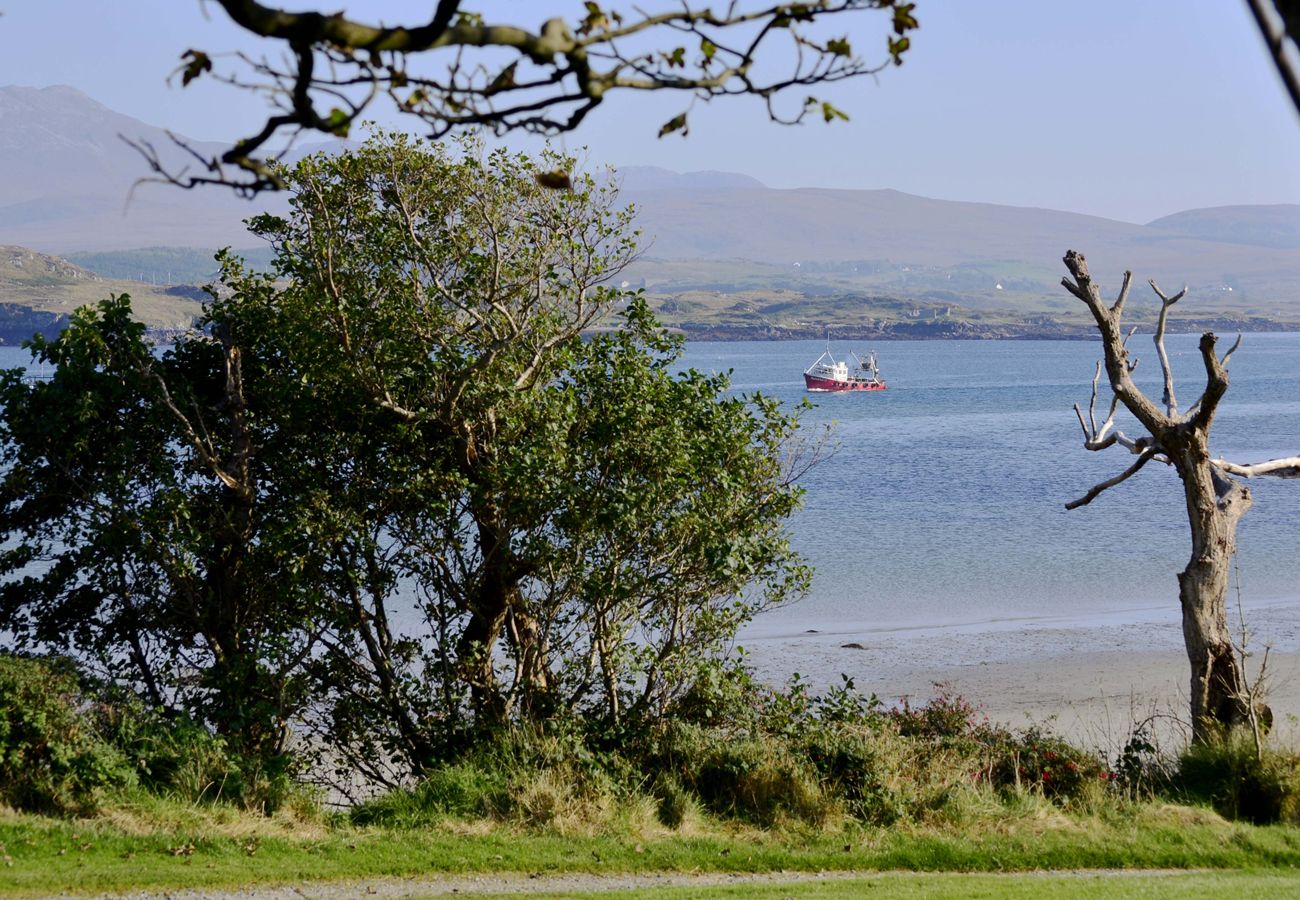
[(1090, 683)]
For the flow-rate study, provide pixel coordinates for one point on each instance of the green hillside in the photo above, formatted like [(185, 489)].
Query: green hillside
[(39, 292)]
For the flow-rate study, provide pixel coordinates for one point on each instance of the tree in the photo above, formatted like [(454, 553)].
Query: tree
[(146, 534), (505, 77), (1215, 501), (514, 520)]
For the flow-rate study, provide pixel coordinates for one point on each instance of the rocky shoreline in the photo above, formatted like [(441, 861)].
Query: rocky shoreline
[(956, 330)]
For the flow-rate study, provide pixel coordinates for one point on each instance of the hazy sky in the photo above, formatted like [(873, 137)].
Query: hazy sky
[(1130, 109)]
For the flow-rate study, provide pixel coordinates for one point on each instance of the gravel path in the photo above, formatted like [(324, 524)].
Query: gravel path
[(475, 885)]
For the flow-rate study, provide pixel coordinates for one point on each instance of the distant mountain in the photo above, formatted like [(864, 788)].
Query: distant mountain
[(1257, 226), (653, 178), (977, 253), (68, 181), (65, 179)]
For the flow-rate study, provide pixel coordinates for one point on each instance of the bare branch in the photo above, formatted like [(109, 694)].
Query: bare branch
[(1171, 404), (1284, 467), (1216, 383), (1118, 306), (1087, 435), (1231, 350), (1145, 457), (1276, 43), (544, 80)]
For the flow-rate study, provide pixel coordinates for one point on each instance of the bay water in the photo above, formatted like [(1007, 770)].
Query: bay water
[(942, 505)]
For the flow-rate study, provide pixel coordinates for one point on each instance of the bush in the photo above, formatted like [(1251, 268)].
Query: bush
[(52, 758), (525, 775), (1038, 761), (175, 756), (1140, 770), (759, 779), (1227, 774), (465, 790)]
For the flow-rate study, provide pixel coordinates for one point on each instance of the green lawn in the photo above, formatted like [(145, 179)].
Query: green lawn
[(42, 856)]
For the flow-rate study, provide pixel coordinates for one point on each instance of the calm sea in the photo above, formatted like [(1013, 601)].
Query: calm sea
[(943, 503)]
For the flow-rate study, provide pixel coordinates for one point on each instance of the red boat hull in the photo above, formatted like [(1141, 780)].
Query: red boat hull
[(813, 383)]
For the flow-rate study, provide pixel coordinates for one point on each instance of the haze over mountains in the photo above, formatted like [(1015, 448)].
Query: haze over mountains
[(65, 177)]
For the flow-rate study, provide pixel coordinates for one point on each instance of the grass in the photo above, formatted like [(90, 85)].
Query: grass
[(1028, 885), (158, 846)]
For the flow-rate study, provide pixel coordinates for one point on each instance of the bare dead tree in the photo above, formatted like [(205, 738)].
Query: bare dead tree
[(458, 71), (1215, 501)]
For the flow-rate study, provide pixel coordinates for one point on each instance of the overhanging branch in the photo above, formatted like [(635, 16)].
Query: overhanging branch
[(544, 80)]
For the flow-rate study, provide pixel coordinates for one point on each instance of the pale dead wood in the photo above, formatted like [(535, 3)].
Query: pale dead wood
[(1145, 457), (1171, 404), (1214, 501), (1285, 467)]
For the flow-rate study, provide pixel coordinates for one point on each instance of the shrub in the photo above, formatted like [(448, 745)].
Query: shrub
[(1140, 770), (464, 789), (759, 779), (52, 758), (1226, 773), (1038, 761), (946, 716), (857, 766), (175, 756)]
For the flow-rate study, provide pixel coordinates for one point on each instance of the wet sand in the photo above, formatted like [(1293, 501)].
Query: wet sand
[(1088, 683)]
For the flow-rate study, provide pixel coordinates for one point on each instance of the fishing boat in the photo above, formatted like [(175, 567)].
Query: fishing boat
[(829, 374)]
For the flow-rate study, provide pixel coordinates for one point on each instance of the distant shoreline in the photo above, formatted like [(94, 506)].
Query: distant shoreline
[(11, 336), (964, 331)]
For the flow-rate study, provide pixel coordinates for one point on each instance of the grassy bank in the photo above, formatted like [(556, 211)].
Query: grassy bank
[(107, 796), (157, 846)]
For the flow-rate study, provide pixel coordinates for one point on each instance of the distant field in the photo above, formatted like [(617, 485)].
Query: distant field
[(705, 298), (37, 289)]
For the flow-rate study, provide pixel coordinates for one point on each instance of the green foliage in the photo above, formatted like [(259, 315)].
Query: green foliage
[(1038, 761), (1227, 773), (462, 790), (524, 776), (144, 526), (1140, 771), (176, 757), (393, 494), (52, 759), (584, 525)]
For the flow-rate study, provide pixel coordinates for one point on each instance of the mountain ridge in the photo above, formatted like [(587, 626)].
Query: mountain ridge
[(65, 177)]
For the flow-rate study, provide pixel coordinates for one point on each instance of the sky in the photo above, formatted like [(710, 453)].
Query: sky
[(1127, 109)]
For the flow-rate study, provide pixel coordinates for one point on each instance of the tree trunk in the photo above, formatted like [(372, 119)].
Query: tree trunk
[(536, 699), (1219, 700)]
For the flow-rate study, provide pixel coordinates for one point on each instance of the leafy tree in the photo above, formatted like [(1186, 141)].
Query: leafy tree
[(143, 533), (514, 521), (459, 70)]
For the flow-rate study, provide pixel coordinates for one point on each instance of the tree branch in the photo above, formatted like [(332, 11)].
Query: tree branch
[(1276, 42), (544, 80), (1145, 457), (1284, 467), (1171, 404), (1114, 344)]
